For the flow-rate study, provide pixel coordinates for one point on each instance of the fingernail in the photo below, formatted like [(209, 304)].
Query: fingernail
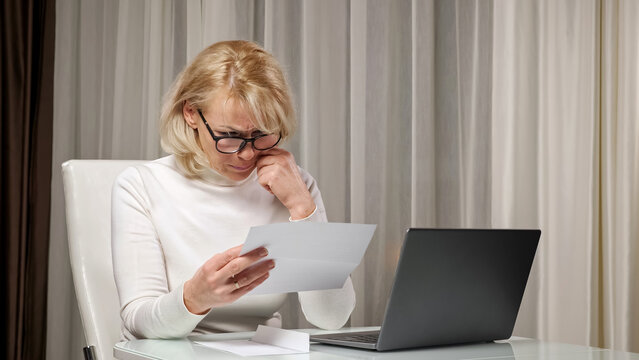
[(263, 252), (271, 265)]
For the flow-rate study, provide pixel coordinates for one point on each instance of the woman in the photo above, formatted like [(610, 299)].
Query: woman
[(178, 222)]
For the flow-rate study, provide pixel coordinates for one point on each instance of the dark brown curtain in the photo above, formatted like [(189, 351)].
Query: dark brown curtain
[(26, 93)]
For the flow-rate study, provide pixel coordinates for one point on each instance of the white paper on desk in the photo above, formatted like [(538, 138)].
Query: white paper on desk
[(266, 341), (309, 255)]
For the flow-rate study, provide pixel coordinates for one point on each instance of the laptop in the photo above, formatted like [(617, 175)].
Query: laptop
[(451, 286)]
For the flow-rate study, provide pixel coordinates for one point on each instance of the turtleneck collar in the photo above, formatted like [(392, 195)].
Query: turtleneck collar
[(213, 177)]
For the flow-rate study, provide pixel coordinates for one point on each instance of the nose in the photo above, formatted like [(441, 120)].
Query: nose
[(247, 153)]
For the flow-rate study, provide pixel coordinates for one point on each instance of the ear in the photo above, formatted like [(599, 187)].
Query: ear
[(190, 115)]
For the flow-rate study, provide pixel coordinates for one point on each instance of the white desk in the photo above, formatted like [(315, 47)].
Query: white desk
[(515, 348)]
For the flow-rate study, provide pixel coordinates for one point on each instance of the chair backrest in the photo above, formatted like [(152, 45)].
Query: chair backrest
[(87, 192)]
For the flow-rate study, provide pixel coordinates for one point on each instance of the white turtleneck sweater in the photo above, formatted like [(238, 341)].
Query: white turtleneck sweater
[(165, 226)]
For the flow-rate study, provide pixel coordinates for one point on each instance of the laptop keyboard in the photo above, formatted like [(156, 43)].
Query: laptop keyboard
[(362, 338)]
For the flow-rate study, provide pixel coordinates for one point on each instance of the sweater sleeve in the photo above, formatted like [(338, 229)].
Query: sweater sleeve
[(147, 308), (326, 309)]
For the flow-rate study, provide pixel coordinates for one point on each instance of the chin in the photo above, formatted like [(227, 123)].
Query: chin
[(239, 175)]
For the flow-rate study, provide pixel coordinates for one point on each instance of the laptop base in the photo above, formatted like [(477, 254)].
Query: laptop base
[(362, 339)]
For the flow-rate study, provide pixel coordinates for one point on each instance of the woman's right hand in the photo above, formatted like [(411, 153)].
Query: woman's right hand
[(214, 283)]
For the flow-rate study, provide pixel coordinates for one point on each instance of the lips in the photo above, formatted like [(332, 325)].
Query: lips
[(241, 168)]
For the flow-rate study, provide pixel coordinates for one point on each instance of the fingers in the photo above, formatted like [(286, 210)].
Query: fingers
[(265, 161), (238, 264), (253, 273), (274, 170), (275, 156), (268, 188), (264, 178), (273, 151), (213, 283), (243, 290), (220, 260)]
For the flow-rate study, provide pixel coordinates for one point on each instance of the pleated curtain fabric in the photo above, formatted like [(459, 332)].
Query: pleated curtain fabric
[(426, 113), (618, 271), (26, 68), (546, 151)]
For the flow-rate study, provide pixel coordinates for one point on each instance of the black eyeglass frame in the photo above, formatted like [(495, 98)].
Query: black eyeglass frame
[(244, 140)]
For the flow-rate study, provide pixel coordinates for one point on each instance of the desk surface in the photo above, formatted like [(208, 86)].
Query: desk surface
[(515, 348)]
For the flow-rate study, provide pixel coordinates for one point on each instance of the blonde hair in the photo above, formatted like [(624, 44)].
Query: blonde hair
[(251, 76)]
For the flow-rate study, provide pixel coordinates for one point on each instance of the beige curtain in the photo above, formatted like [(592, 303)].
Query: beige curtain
[(565, 96), (546, 151), (420, 128), (412, 113), (113, 62), (619, 163)]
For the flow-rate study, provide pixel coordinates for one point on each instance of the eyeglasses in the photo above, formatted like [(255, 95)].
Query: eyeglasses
[(233, 144)]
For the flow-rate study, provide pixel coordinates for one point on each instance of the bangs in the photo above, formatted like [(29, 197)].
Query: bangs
[(268, 113)]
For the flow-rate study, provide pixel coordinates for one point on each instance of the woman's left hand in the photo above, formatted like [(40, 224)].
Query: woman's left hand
[(278, 173)]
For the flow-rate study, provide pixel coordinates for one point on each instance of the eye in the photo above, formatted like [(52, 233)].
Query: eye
[(227, 133)]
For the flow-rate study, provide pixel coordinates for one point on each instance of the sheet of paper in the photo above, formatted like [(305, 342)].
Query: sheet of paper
[(308, 255), (266, 341)]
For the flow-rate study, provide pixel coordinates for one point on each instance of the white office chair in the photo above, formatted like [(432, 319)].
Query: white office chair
[(87, 192)]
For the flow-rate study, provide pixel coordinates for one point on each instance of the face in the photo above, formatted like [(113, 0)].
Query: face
[(225, 116)]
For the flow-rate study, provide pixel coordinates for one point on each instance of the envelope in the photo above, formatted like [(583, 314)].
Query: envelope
[(266, 341)]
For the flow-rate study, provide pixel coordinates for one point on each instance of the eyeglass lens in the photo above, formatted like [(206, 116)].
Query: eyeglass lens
[(231, 145)]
